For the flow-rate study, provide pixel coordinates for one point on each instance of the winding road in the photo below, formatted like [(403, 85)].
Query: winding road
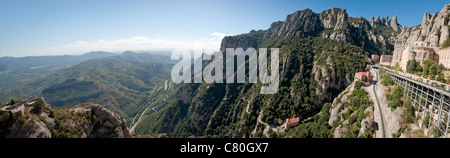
[(142, 114)]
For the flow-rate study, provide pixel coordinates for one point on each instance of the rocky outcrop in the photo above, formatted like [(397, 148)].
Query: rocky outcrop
[(374, 36), (238, 41), (200, 108), (385, 20), (303, 21), (372, 22), (39, 120), (336, 106), (344, 116), (335, 18), (105, 125), (394, 23), (367, 123), (328, 80), (434, 28), (32, 128)]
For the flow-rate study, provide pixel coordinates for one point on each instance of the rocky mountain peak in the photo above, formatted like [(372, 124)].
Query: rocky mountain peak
[(378, 19), (385, 20), (335, 18), (304, 20), (394, 23), (433, 29), (445, 9), (333, 24)]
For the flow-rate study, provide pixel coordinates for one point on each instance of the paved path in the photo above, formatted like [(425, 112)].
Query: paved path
[(383, 130)]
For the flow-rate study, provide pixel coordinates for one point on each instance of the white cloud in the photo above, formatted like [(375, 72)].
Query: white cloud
[(212, 43), (139, 43)]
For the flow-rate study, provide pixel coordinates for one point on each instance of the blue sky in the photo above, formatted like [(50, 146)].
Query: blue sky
[(55, 27)]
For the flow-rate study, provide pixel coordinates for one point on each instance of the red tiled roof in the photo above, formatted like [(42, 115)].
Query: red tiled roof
[(362, 73), (291, 121)]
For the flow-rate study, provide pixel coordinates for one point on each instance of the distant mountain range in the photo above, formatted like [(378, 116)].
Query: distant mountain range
[(319, 55), (119, 82), (15, 72)]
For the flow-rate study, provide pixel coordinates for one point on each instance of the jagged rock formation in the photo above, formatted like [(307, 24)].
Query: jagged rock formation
[(301, 23), (319, 54), (374, 36), (434, 28), (393, 23), (36, 119)]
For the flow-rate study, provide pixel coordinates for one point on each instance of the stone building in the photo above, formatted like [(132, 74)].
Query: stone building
[(420, 51), (375, 58), (363, 76), (385, 60), (444, 56)]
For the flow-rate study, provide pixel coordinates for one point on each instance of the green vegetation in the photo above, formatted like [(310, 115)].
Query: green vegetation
[(129, 83), (345, 58), (4, 122), (17, 73), (410, 116), (386, 78), (413, 66), (63, 129), (224, 114), (426, 121), (396, 99), (394, 96), (429, 69), (121, 83), (358, 84), (319, 128), (358, 102), (446, 43), (38, 107), (12, 102)]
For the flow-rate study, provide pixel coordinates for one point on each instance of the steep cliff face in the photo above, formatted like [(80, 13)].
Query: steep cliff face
[(252, 39), (376, 36), (297, 24), (434, 28), (38, 120), (319, 54), (312, 71), (394, 23), (327, 79)]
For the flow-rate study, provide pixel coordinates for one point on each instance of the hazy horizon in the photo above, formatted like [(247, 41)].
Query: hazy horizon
[(46, 27)]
